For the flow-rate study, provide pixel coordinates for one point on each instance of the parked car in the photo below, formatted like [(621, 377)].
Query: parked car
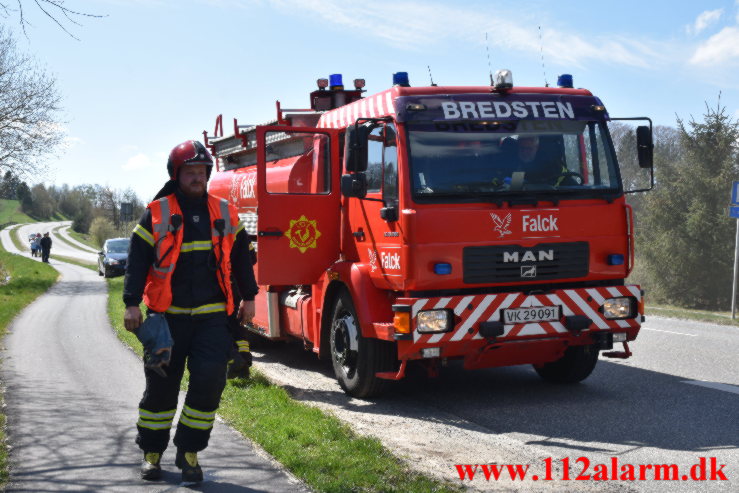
[(112, 258)]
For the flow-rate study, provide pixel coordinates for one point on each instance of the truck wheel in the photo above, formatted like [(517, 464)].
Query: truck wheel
[(106, 273), (575, 366), (356, 359)]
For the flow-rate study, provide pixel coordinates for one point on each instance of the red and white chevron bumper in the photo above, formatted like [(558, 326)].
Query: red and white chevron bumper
[(472, 310)]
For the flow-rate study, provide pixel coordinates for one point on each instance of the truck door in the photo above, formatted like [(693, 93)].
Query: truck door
[(298, 203)]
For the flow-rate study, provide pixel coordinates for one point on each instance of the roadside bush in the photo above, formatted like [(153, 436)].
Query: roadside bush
[(81, 223), (101, 230)]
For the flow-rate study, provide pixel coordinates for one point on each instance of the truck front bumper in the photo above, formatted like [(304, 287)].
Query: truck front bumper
[(479, 334)]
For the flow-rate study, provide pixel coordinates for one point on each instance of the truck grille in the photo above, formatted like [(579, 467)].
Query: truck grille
[(511, 263)]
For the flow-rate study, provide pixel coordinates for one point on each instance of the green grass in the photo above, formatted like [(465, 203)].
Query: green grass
[(71, 260), (316, 447), (722, 318), (83, 238), (28, 280), (10, 212), (20, 244)]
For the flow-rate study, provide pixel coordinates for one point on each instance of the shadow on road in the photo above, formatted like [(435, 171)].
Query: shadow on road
[(618, 404), (78, 457)]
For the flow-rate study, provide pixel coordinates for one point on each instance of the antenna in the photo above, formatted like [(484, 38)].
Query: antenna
[(490, 67), (541, 49), (430, 76)]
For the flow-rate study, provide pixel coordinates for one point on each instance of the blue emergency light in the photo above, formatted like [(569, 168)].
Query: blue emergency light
[(615, 259), (442, 269), (401, 79), (335, 82), (565, 80)]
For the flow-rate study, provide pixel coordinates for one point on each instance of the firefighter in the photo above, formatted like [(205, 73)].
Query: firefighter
[(183, 254)]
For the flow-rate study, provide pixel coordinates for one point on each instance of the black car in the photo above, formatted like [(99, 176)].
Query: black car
[(112, 258)]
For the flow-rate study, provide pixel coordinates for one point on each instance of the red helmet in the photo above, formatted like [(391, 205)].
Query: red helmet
[(188, 153)]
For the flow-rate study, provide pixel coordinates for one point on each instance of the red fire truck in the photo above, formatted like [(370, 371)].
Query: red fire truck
[(425, 224)]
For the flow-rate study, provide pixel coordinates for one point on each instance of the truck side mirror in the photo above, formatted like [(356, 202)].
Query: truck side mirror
[(644, 146), (355, 148), (354, 185)]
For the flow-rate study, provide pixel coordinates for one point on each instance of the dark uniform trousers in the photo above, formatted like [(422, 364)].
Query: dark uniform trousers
[(203, 343)]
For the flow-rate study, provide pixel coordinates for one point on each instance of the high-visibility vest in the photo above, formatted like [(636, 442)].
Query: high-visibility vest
[(168, 242)]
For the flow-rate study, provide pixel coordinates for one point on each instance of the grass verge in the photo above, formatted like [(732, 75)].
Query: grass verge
[(28, 280), (83, 238), (316, 447), (722, 318), (21, 245), (71, 260)]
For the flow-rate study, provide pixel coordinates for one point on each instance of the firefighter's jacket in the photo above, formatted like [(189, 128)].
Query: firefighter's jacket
[(188, 262)]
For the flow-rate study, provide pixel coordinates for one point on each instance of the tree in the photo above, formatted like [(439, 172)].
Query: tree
[(685, 238), (29, 104), (666, 152), (101, 229), (44, 205), (24, 197), (9, 186), (55, 10)]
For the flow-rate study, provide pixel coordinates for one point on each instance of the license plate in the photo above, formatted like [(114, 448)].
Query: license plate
[(532, 314)]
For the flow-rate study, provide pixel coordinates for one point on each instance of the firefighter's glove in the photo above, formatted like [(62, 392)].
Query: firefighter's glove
[(157, 341)]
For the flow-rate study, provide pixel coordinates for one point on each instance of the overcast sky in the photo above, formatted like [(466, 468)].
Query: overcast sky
[(153, 73)]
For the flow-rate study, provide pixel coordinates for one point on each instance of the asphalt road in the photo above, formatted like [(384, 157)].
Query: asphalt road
[(71, 395), (62, 243), (675, 401)]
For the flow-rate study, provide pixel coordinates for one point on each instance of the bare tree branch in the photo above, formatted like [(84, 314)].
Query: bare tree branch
[(56, 10), (29, 106)]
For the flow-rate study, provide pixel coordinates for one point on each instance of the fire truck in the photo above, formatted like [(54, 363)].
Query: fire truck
[(486, 224)]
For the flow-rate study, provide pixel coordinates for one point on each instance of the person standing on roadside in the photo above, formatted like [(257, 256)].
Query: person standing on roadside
[(35, 245), (182, 257), (45, 244)]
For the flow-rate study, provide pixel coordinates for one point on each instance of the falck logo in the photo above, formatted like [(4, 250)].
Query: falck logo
[(528, 271), (501, 225), (372, 259)]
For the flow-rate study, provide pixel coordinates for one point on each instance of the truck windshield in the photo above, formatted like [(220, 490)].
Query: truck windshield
[(470, 159)]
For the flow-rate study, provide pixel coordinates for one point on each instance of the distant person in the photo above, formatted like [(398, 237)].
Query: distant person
[(182, 257), (36, 245), (45, 243)]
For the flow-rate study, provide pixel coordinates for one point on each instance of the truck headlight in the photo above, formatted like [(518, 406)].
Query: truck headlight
[(429, 321), (617, 308)]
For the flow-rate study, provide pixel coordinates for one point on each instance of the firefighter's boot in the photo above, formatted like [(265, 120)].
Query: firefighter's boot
[(188, 462), (240, 362), (150, 468)]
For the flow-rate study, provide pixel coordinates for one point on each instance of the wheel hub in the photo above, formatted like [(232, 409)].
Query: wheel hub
[(345, 344)]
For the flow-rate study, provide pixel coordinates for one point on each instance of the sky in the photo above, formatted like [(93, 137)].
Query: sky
[(153, 73)]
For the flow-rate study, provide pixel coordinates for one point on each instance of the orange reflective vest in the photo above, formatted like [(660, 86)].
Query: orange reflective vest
[(168, 242)]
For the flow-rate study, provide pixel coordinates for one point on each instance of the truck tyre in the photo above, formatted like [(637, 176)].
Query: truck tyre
[(575, 366), (356, 359)]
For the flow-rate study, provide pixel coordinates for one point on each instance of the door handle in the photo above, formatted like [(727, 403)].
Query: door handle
[(270, 233)]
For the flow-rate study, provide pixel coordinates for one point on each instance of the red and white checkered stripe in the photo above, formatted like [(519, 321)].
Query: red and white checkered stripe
[(487, 308), (375, 106)]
